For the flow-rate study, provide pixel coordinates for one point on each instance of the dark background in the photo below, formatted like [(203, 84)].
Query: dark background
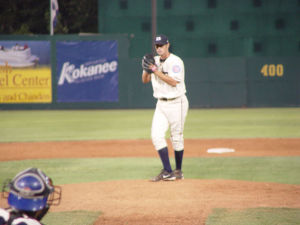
[(33, 17)]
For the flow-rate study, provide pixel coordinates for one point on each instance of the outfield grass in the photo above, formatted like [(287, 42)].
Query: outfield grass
[(16, 126), (243, 123)]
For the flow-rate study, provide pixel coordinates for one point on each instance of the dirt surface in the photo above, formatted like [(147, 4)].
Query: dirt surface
[(183, 202), (144, 148)]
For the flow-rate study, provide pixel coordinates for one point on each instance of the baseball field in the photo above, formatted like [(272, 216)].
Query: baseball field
[(103, 159)]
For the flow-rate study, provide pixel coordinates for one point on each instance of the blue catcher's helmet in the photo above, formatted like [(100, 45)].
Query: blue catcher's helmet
[(30, 190)]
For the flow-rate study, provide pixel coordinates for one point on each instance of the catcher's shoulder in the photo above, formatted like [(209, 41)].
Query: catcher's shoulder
[(26, 221), (4, 215)]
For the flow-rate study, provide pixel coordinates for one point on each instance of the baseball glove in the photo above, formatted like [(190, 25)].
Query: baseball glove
[(147, 61)]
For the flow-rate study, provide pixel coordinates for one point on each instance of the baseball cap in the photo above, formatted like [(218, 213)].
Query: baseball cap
[(161, 40)]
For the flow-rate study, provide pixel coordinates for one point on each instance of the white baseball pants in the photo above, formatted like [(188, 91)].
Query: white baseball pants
[(169, 114)]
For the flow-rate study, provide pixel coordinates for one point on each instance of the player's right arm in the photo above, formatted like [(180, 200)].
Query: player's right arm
[(146, 77)]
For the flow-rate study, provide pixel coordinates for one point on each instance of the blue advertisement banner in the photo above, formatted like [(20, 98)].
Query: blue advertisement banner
[(87, 71)]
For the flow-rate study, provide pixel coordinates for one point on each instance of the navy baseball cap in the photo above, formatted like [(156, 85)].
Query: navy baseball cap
[(161, 40)]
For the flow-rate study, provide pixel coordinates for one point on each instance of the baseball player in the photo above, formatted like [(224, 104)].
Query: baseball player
[(166, 73), (29, 197)]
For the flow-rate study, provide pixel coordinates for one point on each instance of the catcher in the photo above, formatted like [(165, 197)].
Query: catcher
[(30, 195), (166, 73)]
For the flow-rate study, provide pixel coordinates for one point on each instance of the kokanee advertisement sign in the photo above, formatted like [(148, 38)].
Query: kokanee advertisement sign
[(25, 74), (87, 71)]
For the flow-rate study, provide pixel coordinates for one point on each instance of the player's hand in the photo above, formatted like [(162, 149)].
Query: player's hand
[(153, 68)]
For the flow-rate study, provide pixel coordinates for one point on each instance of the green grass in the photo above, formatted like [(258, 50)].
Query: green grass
[(26, 126), (243, 123), (71, 218), (66, 171), (259, 216), (16, 126), (73, 125)]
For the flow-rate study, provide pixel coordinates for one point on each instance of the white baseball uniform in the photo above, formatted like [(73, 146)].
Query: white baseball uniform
[(22, 219), (172, 105)]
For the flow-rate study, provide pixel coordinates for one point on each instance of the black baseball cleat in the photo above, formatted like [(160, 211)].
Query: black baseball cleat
[(178, 174), (164, 175)]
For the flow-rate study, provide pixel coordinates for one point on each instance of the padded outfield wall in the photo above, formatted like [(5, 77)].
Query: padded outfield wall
[(211, 81)]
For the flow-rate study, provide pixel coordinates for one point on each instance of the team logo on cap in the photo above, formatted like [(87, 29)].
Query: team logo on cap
[(158, 39)]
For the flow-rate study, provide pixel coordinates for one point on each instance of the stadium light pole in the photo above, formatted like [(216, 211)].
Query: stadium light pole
[(153, 24), (51, 25)]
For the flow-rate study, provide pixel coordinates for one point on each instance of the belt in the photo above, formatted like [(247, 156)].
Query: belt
[(167, 99)]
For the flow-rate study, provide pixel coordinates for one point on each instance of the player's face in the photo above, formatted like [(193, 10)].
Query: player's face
[(162, 50)]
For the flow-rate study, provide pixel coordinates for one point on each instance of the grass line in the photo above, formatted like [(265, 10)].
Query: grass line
[(135, 124), (65, 171)]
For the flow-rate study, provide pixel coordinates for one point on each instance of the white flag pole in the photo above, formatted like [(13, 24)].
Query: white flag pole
[(53, 14)]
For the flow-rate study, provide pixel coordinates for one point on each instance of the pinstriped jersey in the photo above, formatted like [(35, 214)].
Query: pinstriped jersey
[(173, 66)]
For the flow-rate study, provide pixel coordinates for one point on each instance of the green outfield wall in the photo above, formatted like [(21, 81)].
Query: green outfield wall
[(212, 82), (208, 28)]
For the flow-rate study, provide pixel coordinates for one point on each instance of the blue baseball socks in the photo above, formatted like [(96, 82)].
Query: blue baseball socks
[(164, 156), (178, 159)]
